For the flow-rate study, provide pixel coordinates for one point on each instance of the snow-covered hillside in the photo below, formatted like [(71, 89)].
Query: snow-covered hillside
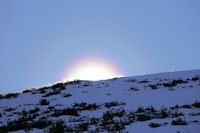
[(164, 102)]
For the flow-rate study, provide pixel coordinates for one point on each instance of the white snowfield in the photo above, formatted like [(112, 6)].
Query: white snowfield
[(154, 103)]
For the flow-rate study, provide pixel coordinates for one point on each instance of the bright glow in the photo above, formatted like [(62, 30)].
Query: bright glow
[(92, 69)]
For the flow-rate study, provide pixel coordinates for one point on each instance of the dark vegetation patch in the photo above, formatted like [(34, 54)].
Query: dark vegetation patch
[(130, 80), (195, 78), (134, 89), (20, 124), (196, 104), (143, 117), (153, 87), (66, 111), (9, 95), (154, 125), (55, 92), (28, 90), (42, 91), (57, 127), (67, 95), (113, 79), (85, 106), (186, 106), (176, 114), (108, 94), (86, 85), (44, 102), (179, 121), (143, 81), (73, 82), (174, 83), (194, 114), (113, 120), (9, 109), (140, 109), (114, 103), (60, 86)]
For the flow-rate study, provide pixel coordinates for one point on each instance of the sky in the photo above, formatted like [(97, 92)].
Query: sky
[(40, 39)]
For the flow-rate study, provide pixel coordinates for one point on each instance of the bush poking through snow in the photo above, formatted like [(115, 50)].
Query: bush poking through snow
[(195, 78), (144, 81), (154, 125), (61, 86), (67, 95), (186, 106), (57, 127), (179, 121), (9, 95), (44, 102), (153, 87), (52, 93), (140, 109), (66, 111), (196, 104), (134, 89), (114, 103)]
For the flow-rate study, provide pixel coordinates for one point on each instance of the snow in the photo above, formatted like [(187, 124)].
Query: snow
[(119, 90)]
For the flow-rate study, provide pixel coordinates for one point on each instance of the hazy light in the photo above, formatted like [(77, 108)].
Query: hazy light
[(92, 69)]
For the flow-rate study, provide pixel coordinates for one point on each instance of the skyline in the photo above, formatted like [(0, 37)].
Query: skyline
[(40, 39)]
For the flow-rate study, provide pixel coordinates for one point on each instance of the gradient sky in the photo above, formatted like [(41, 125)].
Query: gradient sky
[(39, 38)]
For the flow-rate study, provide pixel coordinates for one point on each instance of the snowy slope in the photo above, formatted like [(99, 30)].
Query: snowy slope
[(164, 102)]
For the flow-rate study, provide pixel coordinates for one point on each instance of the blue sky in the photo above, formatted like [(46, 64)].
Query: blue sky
[(39, 38)]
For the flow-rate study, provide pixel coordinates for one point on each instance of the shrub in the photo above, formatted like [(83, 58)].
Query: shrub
[(22, 123), (153, 125), (163, 113), (44, 102), (10, 95), (74, 82), (67, 111), (114, 103), (144, 81), (85, 106), (153, 87), (59, 85), (0, 115), (52, 93), (179, 121), (177, 106), (140, 109), (57, 127), (186, 106), (83, 126), (67, 95), (86, 85), (196, 104), (42, 91), (9, 109), (26, 91), (150, 108), (143, 117), (34, 111), (170, 84), (134, 89), (176, 114), (195, 78)]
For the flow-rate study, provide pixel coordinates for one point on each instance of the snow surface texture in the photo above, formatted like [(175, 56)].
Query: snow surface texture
[(164, 102)]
